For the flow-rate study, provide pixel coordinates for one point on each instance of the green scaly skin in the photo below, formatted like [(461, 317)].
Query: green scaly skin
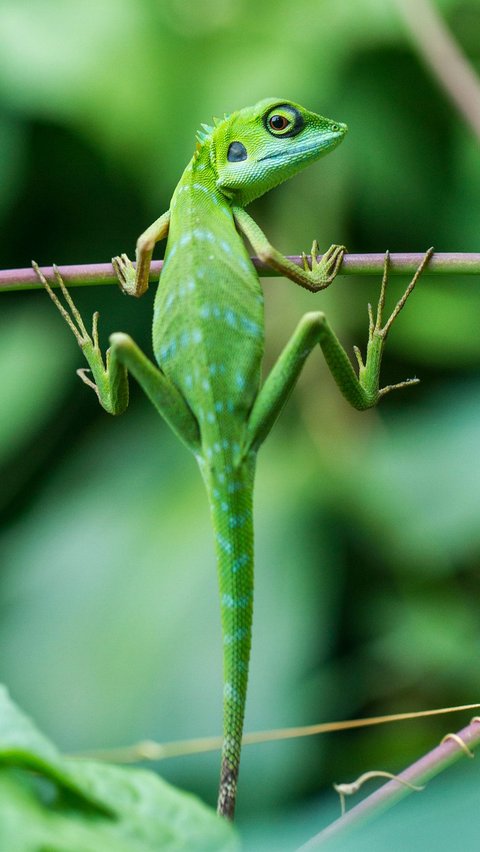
[(208, 340)]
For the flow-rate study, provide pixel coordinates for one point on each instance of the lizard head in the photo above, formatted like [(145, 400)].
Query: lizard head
[(259, 147)]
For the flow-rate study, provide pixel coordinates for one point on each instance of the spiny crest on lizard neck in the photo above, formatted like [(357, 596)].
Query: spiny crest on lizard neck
[(258, 147)]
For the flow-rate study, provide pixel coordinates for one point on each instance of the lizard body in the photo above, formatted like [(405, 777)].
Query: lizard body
[(208, 337)]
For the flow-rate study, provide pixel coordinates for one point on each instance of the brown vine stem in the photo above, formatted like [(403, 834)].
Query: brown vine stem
[(443, 263), (431, 764)]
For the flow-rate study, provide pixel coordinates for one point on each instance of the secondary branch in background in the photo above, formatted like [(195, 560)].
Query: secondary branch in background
[(443, 56)]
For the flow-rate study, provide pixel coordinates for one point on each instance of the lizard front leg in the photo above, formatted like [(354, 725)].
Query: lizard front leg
[(362, 391), (318, 277), (134, 281), (109, 377)]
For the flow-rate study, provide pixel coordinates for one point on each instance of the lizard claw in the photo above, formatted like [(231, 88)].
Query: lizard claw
[(125, 272), (325, 269)]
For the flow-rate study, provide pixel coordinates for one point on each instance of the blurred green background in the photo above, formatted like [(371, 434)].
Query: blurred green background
[(368, 540)]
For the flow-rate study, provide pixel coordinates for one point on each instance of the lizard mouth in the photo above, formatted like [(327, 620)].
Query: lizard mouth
[(305, 149)]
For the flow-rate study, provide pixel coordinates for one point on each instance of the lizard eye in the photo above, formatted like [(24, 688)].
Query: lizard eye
[(284, 120), (278, 122)]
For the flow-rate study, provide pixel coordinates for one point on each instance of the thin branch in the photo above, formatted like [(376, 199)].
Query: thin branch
[(440, 52), (443, 263), (435, 761), (151, 750)]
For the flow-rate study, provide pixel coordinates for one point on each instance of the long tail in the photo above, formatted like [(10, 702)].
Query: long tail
[(231, 508)]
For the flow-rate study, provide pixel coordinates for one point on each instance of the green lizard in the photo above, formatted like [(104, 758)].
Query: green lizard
[(208, 338)]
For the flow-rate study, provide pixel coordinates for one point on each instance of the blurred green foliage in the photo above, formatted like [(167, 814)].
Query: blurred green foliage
[(368, 541), (48, 801)]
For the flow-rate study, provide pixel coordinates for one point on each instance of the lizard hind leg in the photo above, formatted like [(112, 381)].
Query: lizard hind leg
[(362, 391), (108, 376)]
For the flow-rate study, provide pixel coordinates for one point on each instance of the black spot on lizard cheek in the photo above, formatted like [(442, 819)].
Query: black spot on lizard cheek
[(236, 152)]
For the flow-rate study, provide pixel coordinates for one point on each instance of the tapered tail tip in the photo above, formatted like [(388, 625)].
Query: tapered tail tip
[(227, 794)]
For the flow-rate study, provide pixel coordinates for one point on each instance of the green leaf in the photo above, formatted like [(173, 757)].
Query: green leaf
[(112, 809)]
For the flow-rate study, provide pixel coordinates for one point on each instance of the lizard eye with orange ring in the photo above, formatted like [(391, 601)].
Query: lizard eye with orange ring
[(284, 120), (278, 122)]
